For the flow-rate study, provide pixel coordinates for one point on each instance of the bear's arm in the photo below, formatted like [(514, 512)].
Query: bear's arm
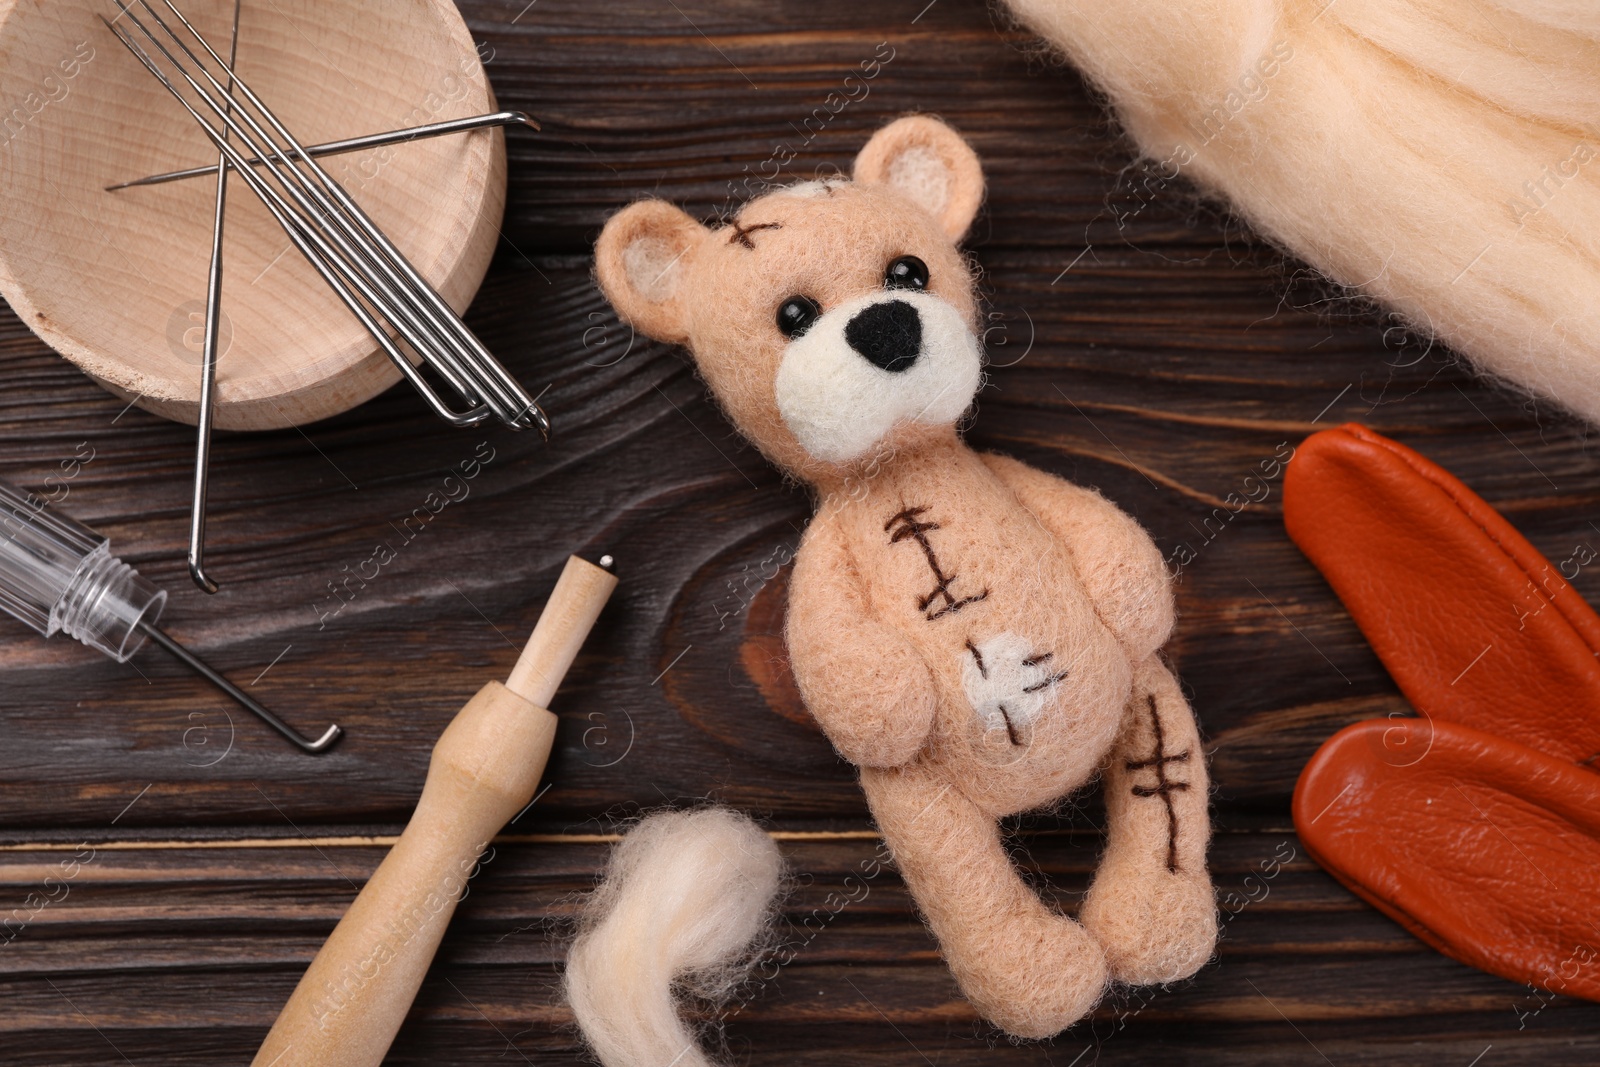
[(867, 687), (1118, 563)]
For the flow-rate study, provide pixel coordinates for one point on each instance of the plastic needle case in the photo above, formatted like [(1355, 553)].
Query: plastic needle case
[(59, 576)]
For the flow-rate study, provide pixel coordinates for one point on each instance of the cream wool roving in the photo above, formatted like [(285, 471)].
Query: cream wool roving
[(979, 637), (685, 901), (1440, 156)]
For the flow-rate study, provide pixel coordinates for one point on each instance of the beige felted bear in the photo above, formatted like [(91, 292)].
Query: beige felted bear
[(980, 638)]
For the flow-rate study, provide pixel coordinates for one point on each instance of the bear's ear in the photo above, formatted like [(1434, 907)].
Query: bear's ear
[(929, 162), (641, 260)]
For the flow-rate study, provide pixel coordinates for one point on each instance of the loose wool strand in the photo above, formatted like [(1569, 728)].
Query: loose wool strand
[(1438, 155), (686, 898)]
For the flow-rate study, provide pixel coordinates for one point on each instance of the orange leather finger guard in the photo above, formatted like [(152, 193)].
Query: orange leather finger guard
[(1473, 623), (1480, 829), (1486, 850)]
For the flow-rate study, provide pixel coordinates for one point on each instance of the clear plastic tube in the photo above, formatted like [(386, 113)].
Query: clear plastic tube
[(59, 576)]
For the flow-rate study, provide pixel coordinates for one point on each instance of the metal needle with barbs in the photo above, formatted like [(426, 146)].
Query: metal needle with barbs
[(364, 269), (404, 135), (208, 363), (59, 576), (347, 249)]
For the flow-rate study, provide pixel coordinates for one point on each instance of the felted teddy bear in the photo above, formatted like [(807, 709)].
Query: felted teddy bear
[(978, 637)]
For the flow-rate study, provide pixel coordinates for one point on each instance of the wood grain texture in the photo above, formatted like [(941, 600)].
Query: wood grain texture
[(1153, 350)]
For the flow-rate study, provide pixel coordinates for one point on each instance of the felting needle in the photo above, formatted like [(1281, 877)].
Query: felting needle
[(357, 144), (338, 238), (208, 359)]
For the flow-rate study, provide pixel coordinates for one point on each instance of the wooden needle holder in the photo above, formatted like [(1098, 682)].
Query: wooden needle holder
[(484, 770)]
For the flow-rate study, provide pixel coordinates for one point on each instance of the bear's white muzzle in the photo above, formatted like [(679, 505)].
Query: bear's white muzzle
[(874, 362)]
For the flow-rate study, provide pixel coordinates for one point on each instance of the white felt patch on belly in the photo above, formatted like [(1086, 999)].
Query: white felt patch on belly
[(1008, 682)]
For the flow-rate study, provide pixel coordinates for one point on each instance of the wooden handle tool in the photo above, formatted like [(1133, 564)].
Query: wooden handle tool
[(485, 767)]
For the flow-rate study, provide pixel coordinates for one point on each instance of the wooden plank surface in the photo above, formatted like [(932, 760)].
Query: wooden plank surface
[(1154, 350)]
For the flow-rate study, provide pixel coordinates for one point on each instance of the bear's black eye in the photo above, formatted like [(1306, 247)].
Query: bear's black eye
[(796, 314), (907, 272)]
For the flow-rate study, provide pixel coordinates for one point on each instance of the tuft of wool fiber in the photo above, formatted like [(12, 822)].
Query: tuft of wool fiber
[(686, 900)]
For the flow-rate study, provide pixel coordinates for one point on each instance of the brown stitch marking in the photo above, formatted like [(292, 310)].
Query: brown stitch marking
[(1164, 787), (741, 234), (913, 528), (977, 658), (953, 605), (1034, 661), (1011, 730), (1052, 680)]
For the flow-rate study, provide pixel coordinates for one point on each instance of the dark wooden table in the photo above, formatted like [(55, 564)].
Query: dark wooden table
[(1155, 350)]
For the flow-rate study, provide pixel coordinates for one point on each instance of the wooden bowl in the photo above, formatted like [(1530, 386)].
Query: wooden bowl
[(116, 282)]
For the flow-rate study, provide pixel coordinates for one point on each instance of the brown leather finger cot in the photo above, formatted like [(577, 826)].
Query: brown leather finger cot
[(1473, 623), (1487, 851)]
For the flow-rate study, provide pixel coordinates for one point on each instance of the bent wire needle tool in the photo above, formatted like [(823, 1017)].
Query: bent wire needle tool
[(208, 361), (59, 576)]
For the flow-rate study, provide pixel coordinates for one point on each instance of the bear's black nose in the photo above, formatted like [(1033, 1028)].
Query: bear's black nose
[(888, 335)]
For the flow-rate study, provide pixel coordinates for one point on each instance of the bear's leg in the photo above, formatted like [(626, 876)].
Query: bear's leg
[(1027, 969), (1151, 904)]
